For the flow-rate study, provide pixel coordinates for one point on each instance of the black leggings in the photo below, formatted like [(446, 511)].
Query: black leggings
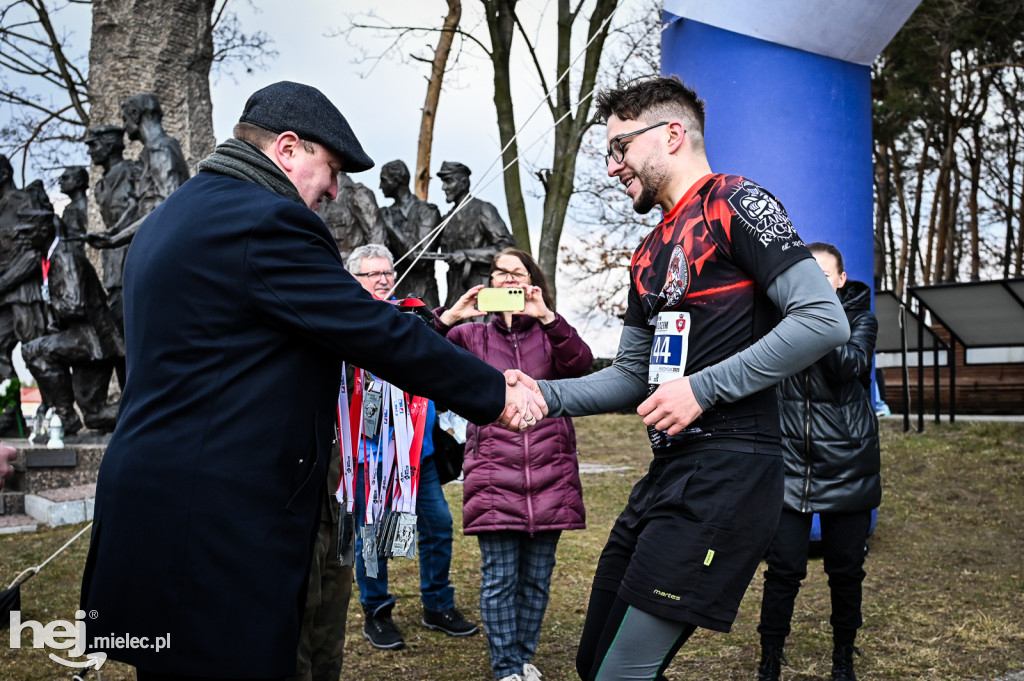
[(842, 537), (623, 643)]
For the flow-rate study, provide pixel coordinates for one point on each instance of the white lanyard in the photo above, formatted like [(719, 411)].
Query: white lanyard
[(345, 493), (403, 445), (380, 461)]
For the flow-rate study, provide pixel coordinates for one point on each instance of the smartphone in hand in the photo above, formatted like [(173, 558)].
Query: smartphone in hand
[(501, 300)]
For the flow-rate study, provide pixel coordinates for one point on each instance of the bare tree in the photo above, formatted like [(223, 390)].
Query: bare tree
[(568, 106), (42, 81), (947, 94), (606, 229), (437, 70)]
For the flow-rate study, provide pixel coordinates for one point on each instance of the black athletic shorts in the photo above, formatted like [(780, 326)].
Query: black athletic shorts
[(692, 534)]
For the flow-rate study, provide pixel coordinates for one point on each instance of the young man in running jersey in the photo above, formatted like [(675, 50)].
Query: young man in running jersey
[(724, 301)]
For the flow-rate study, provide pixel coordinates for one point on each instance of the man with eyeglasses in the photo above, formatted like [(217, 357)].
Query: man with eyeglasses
[(701, 350), (473, 235), (373, 266)]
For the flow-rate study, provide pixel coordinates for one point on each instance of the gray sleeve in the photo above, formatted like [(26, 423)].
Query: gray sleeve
[(620, 386), (813, 323)]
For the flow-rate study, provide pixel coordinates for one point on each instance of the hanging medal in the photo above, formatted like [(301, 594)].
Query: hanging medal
[(405, 540), (403, 536), (372, 458), (345, 494)]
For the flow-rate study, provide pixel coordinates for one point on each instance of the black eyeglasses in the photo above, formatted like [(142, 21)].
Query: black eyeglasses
[(615, 150), (387, 274), (516, 275)]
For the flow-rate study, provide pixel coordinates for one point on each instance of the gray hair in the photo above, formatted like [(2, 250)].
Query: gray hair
[(355, 258)]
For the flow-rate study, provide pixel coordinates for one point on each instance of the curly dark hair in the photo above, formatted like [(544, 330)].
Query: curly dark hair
[(652, 100)]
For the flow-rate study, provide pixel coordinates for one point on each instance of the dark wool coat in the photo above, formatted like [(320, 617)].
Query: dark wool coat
[(829, 427), (523, 481), (238, 314)]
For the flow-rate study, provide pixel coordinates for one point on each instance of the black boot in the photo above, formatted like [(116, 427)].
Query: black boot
[(842, 662), (380, 629), (772, 660)]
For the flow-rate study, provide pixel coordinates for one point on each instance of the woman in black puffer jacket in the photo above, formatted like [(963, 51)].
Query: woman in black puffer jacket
[(830, 445)]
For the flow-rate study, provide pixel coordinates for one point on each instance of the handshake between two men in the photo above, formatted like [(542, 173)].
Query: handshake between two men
[(524, 403), (671, 408)]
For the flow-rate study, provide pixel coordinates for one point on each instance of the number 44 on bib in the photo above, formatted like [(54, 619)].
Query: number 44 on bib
[(668, 353)]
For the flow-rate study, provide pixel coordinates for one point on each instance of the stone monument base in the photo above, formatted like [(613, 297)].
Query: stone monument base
[(52, 486)]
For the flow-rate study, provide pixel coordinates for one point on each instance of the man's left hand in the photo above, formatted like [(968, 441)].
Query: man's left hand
[(672, 407), (524, 403)]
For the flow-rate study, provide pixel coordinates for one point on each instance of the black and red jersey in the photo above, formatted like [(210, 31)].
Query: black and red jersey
[(704, 271)]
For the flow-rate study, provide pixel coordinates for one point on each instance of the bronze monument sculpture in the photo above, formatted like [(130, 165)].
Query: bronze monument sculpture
[(353, 217), (162, 166), (26, 231), (73, 182), (473, 235), (116, 197), (74, 361), (407, 223)]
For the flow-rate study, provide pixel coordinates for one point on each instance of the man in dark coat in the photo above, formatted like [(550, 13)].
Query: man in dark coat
[(238, 316)]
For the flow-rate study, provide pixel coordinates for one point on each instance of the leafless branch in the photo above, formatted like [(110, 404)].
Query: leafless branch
[(233, 47)]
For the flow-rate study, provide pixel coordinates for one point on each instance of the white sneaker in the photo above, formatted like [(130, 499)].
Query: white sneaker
[(531, 673), (512, 677)]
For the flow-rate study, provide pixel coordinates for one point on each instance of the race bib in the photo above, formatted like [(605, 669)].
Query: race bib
[(668, 352)]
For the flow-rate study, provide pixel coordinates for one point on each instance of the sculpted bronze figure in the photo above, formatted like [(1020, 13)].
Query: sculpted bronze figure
[(116, 196), (73, 362), (26, 230), (162, 166), (73, 182), (407, 222), (353, 217), (472, 237)]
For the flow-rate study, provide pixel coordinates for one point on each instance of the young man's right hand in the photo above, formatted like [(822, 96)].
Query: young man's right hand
[(525, 404)]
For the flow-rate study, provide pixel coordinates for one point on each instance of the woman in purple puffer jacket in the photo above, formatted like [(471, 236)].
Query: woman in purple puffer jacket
[(521, 489)]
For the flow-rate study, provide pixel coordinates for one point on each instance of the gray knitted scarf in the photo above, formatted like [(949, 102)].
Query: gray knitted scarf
[(243, 161)]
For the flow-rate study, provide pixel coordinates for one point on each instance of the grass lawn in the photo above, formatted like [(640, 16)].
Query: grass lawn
[(944, 595)]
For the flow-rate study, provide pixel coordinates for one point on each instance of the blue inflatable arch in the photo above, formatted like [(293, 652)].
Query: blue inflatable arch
[(787, 86)]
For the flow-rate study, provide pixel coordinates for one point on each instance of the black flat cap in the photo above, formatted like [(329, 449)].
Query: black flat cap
[(453, 168), (308, 113), (101, 130)]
